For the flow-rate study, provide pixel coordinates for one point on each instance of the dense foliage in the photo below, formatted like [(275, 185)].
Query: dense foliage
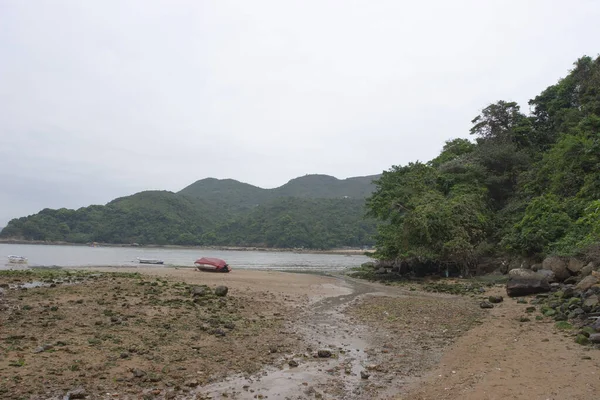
[(223, 212), (529, 185)]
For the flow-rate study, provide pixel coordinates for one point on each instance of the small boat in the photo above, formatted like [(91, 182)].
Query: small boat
[(17, 260), (212, 265), (150, 261)]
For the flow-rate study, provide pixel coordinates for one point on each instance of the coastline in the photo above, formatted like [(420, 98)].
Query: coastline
[(342, 251)]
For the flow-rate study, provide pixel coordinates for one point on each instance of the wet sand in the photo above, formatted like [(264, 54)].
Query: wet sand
[(278, 335)]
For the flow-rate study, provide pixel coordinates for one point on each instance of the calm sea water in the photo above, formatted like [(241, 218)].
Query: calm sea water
[(83, 256)]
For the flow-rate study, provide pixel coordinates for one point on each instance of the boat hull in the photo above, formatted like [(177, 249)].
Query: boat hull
[(210, 268)]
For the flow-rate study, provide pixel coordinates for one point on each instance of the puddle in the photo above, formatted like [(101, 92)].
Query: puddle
[(322, 326)]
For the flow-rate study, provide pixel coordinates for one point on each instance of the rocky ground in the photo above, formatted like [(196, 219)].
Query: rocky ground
[(166, 334), (120, 335)]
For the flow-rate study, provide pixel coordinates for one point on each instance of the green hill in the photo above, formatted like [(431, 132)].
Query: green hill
[(303, 213), (528, 186)]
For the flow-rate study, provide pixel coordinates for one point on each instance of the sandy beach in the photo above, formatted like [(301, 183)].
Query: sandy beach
[(164, 333)]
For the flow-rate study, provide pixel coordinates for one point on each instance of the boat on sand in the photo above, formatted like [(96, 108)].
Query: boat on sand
[(209, 264)]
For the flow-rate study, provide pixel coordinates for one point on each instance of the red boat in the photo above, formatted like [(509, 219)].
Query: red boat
[(212, 265)]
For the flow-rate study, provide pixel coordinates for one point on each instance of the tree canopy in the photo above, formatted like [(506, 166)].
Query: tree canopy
[(527, 185)]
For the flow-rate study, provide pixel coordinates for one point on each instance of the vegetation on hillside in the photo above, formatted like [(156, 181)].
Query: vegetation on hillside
[(222, 212), (529, 185)]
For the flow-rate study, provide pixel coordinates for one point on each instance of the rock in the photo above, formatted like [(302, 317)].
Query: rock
[(536, 267), (495, 299), (549, 275), (522, 273), (78, 393), (575, 265), (221, 291), (596, 325), (200, 291), (219, 332), (485, 304), (594, 338), (124, 355), (191, 383), (587, 270), (587, 283), (524, 319), (591, 301), (138, 373), (293, 363), (324, 353), (523, 286), (364, 375), (381, 271), (558, 266)]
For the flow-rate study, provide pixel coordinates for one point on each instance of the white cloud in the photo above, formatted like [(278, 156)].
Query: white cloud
[(104, 98)]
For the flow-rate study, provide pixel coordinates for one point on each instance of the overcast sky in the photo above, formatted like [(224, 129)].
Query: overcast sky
[(101, 99)]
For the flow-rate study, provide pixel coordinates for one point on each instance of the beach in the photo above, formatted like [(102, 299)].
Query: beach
[(169, 333)]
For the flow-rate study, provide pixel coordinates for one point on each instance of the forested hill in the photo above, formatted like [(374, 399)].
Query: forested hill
[(529, 185), (315, 211), (238, 194)]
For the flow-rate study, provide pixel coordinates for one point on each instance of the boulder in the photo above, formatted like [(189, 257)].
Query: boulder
[(596, 325), (522, 282), (200, 291), (485, 304), (221, 291), (591, 301), (587, 283), (575, 266), (549, 275), (536, 267), (522, 273), (595, 338), (381, 271), (587, 270), (558, 266)]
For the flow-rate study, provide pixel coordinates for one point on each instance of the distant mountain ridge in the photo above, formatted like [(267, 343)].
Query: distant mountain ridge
[(313, 186), (314, 211)]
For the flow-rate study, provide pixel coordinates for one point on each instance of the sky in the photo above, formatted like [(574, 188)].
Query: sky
[(102, 99)]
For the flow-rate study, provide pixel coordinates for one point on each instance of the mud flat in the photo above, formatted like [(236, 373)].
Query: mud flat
[(162, 333)]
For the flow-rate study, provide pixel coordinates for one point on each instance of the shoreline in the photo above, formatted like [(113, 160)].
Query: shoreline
[(343, 251)]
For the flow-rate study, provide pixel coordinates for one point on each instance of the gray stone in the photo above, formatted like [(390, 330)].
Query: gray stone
[(138, 373), (575, 265), (364, 375), (587, 270), (293, 363), (591, 301), (536, 267), (324, 353), (516, 287), (547, 274), (200, 291), (522, 273), (595, 338), (485, 304), (381, 271), (596, 325), (221, 291), (78, 393), (558, 266), (587, 283)]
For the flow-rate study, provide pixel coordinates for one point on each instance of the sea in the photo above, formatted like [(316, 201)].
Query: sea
[(86, 256)]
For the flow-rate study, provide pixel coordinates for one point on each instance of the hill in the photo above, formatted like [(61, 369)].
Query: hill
[(237, 195), (303, 213), (528, 187)]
